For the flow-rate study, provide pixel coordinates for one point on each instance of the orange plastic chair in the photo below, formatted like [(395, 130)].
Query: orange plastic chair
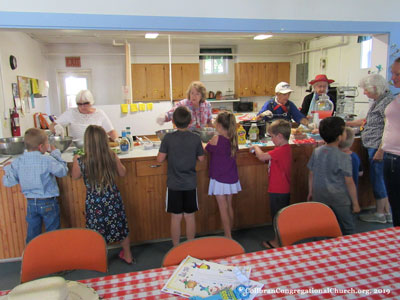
[(211, 247), (305, 220), (62, 250)]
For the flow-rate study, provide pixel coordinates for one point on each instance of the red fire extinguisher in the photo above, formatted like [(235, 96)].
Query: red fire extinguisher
[(15, 128)]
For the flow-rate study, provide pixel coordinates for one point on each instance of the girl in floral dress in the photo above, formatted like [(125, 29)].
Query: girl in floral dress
[(105, 211)]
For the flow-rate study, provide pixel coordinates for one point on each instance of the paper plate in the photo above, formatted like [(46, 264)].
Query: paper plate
[(80, 291), (77, 291)]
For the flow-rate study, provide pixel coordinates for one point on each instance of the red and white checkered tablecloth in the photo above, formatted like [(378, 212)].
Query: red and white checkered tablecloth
[(359, 266)]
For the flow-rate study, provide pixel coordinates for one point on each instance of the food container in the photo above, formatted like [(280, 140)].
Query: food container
[(161, 133), (12, 145), (205, 133), (78, 144), (261, 124), (60, 143)]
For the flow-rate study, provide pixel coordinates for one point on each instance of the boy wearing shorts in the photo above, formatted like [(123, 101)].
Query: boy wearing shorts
[(182, 149)]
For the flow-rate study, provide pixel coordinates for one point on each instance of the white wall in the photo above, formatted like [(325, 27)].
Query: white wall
[(355, 10), (31, 63)]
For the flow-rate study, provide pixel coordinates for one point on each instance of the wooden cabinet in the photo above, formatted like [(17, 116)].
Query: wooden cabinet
[(151, 81), (260, 79)]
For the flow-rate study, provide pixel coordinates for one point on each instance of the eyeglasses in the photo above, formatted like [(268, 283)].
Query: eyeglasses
[(83, 103)]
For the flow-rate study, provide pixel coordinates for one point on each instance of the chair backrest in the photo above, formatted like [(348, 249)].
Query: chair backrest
[(64, 249), (305, 220), (211, 247)]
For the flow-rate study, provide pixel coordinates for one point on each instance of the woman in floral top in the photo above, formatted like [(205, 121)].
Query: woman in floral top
[(197, 105)]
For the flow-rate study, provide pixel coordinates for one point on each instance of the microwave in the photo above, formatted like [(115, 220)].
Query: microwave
[(243, 106)]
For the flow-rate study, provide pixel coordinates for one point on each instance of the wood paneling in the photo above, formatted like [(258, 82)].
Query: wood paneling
[(143, 191)]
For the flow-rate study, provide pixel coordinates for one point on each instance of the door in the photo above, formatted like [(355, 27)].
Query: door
[(71, 82), (139, 86)]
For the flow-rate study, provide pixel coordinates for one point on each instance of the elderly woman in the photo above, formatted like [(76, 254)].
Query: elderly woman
[(375, 88), (77, 119), (280, 107), (391, 146), (197, 105), (320, 86)]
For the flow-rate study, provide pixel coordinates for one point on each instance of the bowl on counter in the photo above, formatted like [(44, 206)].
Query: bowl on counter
[(78, 143), (12, 145), (205, 133), (60, 143), (161, 133)]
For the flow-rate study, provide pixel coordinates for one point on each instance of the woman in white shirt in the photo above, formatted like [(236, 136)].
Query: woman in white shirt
[(78, 118)]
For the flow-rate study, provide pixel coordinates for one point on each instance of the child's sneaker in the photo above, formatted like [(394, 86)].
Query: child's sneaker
[(375, 218), (389, 218)]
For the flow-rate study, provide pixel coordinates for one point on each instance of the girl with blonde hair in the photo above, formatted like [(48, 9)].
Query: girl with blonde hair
[(105, 211), (224, 177)]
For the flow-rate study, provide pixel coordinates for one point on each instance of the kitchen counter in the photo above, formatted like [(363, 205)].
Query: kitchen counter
[(143, 191)]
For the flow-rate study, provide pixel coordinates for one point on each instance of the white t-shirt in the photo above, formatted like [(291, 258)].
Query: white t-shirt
[(77, 122), (391, 141)]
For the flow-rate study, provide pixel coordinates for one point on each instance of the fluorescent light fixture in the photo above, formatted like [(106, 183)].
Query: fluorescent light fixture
[(149, 35), (262, 36)]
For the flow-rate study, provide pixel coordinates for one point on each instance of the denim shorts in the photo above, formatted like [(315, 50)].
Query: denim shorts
[(47, 211), (376, 175)]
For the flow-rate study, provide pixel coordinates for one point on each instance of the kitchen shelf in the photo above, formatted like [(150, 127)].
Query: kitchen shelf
[(223, 101)]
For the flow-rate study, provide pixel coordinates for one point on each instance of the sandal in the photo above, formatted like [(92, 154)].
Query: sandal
[(121, 257), (267, 245)]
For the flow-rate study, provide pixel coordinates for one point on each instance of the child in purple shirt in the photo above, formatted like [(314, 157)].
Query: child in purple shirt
[(224, 178)]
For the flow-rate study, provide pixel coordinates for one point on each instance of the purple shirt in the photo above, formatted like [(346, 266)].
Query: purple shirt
[(222, 165)]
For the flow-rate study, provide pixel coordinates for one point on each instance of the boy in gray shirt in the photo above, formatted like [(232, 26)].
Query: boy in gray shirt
[(330, 179), (182, 149)]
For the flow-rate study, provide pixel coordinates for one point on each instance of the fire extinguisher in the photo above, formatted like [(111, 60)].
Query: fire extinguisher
[(15, 128)]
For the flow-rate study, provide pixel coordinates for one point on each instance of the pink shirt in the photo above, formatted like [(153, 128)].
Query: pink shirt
[(391, 140), (201, 116)]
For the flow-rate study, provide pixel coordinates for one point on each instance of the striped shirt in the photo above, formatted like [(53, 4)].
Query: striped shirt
[(201, 116), (372, 134), (36, 173)]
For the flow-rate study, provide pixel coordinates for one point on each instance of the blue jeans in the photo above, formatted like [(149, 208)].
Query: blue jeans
[(44, 210), (376, 175), (392, 175)]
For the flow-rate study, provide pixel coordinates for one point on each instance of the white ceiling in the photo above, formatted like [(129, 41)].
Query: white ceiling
[(106, 37)]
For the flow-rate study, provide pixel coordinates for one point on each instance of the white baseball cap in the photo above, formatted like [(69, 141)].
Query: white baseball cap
[(283, 88)]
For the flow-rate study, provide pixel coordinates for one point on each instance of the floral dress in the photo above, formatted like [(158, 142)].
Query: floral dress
[(105, 211)]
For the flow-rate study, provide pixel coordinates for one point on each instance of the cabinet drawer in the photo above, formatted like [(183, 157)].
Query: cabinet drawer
[(150, 167)]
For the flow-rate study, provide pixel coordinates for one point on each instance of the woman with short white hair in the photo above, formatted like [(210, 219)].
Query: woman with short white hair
[(80, 117), (376, 88)]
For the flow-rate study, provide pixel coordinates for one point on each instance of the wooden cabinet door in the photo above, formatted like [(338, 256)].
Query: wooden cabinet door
[(139, 87), (156, 81), (271, 71), (243, 79), (190, 72), (258, 79), (283, 72), (177, 91)]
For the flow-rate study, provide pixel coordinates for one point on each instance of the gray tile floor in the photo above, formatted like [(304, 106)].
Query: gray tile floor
[(150, 255)]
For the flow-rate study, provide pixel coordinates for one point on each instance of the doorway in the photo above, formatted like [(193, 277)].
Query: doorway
[(70, 83)]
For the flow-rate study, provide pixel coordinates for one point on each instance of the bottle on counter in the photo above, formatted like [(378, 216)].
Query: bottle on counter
[(241, 132), (124, 143), (253, 133), (129, 137)]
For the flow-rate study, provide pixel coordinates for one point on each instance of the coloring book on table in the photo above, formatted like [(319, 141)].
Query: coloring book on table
[(196, 277)]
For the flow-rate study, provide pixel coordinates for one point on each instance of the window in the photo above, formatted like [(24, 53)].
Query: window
[(215, 64), (366, 50), (70, 85)]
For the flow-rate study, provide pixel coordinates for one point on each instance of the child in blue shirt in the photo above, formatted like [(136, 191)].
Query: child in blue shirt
[(36, 173), (355, 160)]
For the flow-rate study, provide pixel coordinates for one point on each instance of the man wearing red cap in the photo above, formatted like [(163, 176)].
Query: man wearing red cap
[(320, 86)]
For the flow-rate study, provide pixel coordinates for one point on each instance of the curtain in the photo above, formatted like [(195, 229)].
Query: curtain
[(216, 51)]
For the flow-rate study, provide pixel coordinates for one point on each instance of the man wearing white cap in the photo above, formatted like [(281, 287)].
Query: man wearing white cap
[(280, 107)]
